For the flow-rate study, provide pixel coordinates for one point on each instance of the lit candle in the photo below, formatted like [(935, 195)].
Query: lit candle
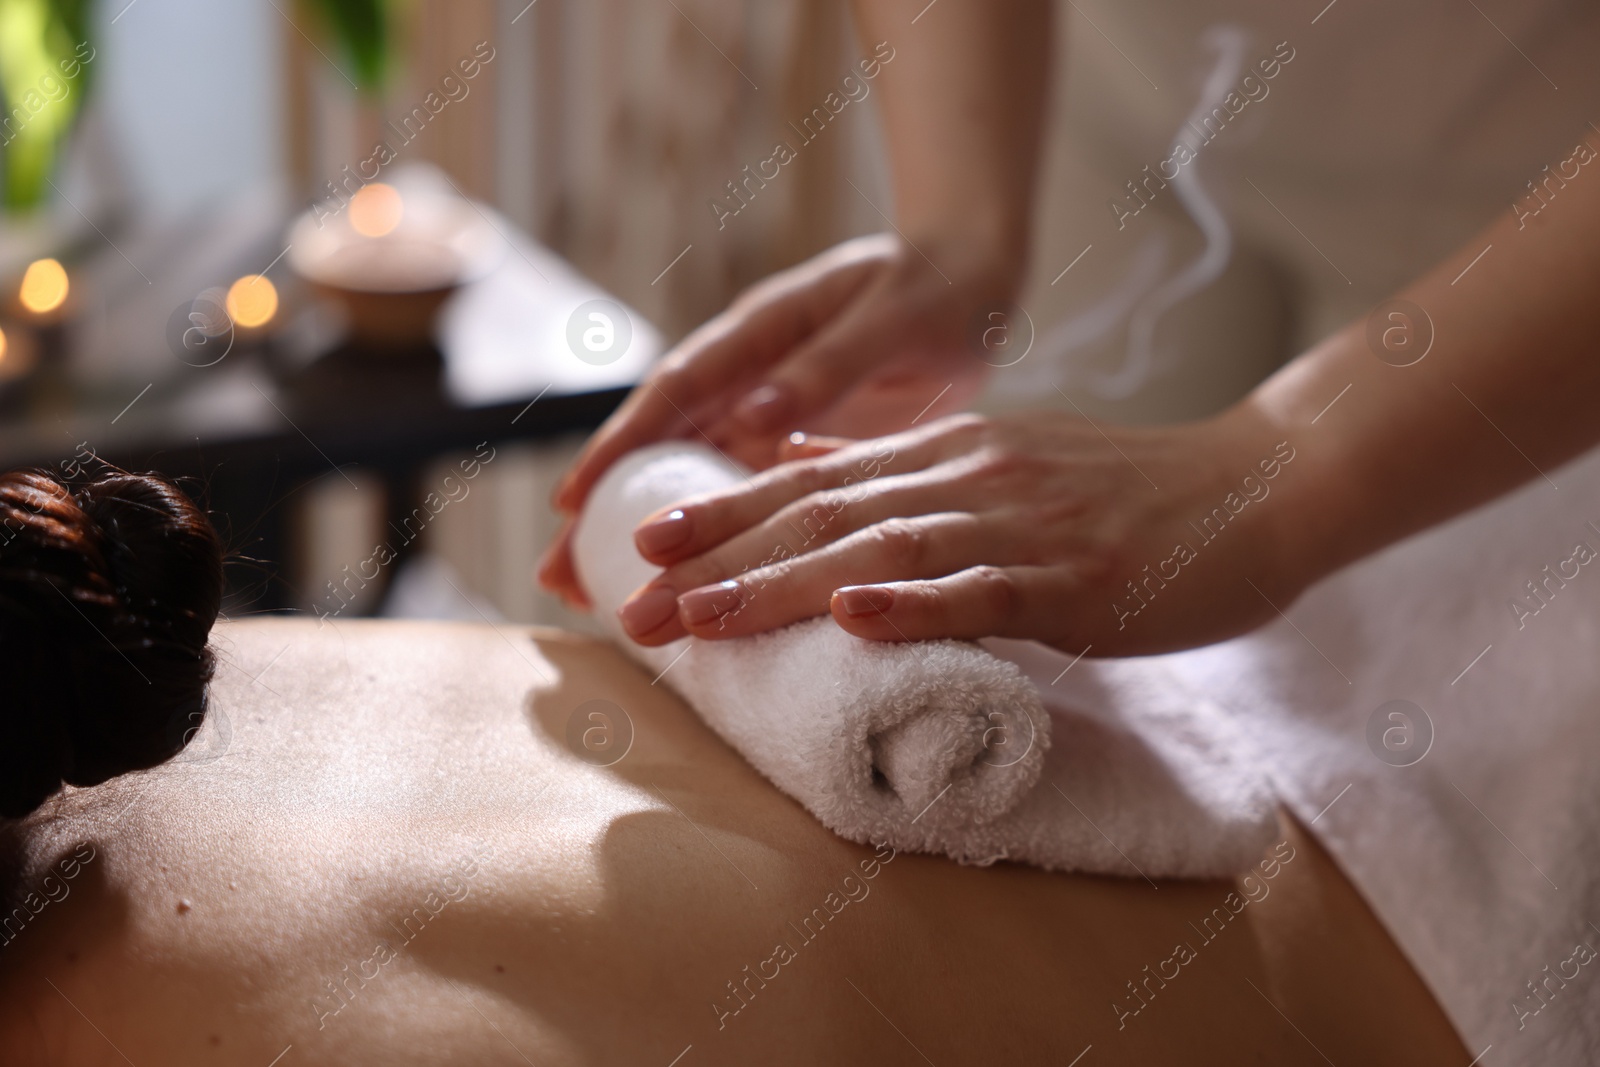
[(252, 301), (18, 354), (376, 210), (44, 286)]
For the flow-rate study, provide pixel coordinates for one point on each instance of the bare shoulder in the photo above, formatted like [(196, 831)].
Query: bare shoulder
[(343, 777)]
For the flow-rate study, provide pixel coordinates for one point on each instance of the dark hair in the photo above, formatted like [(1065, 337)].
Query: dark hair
[(109, 585)]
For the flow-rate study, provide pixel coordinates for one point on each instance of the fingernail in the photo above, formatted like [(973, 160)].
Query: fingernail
[(865, 599), (701, 606), (765, 407), (670, 531), (647, 611)]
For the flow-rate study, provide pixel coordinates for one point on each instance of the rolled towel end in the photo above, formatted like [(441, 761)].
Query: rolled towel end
[(948, 733), (889, 742)]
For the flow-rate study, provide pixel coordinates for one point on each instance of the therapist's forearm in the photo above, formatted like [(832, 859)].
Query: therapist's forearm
[(1509, 390), (963, 104)]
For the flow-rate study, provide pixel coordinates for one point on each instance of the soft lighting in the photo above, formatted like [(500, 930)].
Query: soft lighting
[(252, 301), (2, 346), (375, 209), (44, 286)]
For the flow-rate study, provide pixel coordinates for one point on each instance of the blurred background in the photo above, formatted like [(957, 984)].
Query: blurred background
[(365, 271), (193, 284)]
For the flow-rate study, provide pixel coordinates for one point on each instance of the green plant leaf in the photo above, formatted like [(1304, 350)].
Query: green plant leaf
[(365, 30), (45, 60)]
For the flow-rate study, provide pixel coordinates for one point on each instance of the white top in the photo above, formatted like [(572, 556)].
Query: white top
[(1385, 138), (1394, 134)]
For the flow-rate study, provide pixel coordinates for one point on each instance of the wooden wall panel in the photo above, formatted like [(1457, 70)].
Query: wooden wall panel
[(639, 113)]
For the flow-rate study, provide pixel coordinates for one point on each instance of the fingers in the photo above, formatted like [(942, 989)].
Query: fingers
[(986, 601), (792, 589), (556, 571), (805, 526), (702, 523), (706, 522), (748, 450), (709, 361), (809, 446), (719, 358), (646, 415), (821, 370)]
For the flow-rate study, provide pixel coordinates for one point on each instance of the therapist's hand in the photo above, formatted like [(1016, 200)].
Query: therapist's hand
[(1038, 526), (854, 341), (860, 340)]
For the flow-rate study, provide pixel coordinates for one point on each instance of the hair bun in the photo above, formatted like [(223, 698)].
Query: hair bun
[(109, 586)]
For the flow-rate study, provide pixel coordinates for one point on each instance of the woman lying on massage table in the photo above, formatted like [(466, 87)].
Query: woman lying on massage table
[(380, 846)]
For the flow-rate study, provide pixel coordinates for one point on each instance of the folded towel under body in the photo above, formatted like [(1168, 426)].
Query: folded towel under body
[(940, 746)]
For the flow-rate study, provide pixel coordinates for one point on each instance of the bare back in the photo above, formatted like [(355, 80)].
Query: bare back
[(383, 848)]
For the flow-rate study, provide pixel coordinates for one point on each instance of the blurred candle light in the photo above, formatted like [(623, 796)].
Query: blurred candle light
[(44, 286), (252, 301), (375, 209), (18, 354)]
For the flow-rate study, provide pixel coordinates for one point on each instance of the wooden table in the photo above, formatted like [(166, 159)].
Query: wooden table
[(253, 429)]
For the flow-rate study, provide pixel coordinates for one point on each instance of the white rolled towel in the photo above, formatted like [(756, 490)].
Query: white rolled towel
[(931, 746)]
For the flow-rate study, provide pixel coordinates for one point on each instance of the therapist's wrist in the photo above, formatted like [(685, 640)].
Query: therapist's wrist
[(1288, 529), (1344, 500), (986, 253)]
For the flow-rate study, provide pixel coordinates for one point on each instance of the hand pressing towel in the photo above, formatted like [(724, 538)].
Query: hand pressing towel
[(935, 746)]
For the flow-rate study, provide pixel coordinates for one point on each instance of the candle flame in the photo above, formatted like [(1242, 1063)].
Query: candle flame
[(252, 301), (44, 286), (375, 209)]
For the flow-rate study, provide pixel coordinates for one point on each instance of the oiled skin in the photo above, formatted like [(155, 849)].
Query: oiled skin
[(572, 913)]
